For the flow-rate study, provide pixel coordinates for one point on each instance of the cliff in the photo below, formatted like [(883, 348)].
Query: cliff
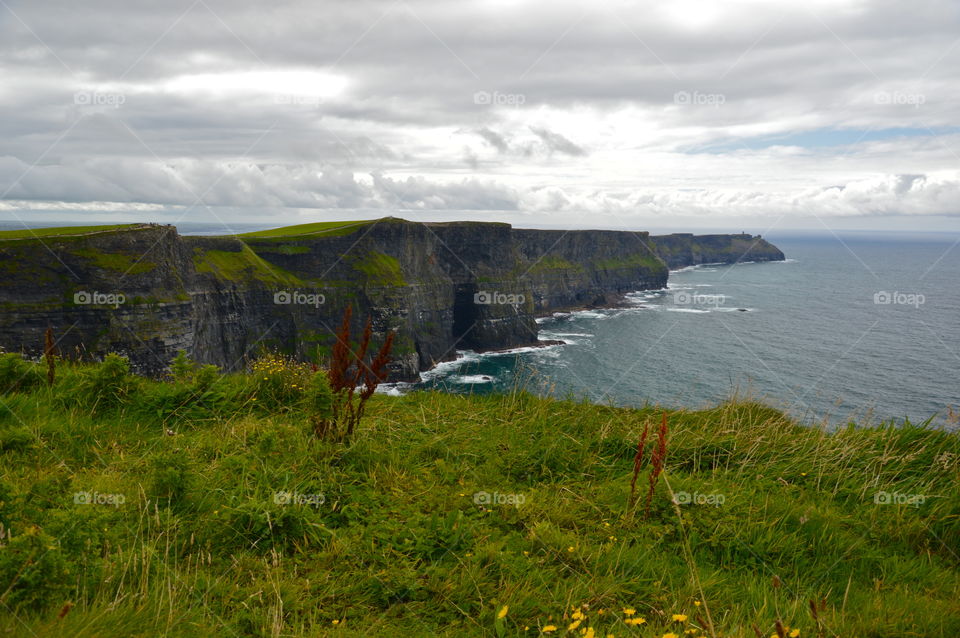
[(145, 291)]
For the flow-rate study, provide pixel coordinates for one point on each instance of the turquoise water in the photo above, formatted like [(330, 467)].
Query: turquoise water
[(811, 340)]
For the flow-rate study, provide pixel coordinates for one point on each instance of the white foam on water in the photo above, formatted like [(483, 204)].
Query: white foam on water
[(691, 310), (471, 378), (445, 368), (589, 314), (397, 389)]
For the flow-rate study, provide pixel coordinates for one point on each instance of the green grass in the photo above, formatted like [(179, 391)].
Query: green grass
[(117, 262), (643, 260), (318, 228), (63, 231), (240, 265), (399, 547), (379, 268)]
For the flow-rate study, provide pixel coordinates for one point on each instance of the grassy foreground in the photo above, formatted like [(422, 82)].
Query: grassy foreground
[(204, 506)]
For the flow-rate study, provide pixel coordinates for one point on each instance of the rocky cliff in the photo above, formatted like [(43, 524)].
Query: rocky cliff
[(145, 291)]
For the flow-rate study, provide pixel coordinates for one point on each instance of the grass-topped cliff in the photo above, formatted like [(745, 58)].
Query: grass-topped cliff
[(204, 507), (436, 285)]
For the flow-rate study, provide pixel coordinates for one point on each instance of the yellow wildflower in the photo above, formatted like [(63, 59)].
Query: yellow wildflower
[(680, 618), (670, 636), (795, 633), (574, 625), (589, 633), (503, 612), (578, 615), (549, 629), (629, 611)]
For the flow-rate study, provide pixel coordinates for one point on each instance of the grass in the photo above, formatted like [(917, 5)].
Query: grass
[(63, 231), (235, 521), (380, 269), (317, 228), (242, 264), (637, 260), (117, 262)]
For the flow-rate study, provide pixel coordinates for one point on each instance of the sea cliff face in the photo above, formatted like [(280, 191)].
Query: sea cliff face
[(146, 292)]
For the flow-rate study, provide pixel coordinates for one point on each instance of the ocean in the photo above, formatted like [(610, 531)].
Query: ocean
[(860, 327), (857, 327)]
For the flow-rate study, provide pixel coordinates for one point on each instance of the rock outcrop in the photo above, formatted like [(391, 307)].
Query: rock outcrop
[(145, 291)]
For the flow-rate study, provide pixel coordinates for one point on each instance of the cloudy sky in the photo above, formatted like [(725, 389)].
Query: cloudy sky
[(611, 113)]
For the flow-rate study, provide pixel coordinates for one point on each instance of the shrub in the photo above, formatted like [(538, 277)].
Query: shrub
[(278, 381), (349, 370), (198, 392), (100, 387), (186, 371), (171, 479), (318, 400), (33, 571), (19, 375), (263, 525)]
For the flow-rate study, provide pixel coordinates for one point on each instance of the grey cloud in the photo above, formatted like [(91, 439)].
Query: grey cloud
[(412, 70), (557, 143), (493, 139)]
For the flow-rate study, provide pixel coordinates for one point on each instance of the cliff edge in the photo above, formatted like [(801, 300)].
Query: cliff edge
[(145, 291)]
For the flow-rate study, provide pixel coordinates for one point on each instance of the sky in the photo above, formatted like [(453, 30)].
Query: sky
[(687, 114)]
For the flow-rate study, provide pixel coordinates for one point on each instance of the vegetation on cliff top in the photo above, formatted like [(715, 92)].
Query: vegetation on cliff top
[(63, 231), (242, 264), (205, 506), (326, 229)]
